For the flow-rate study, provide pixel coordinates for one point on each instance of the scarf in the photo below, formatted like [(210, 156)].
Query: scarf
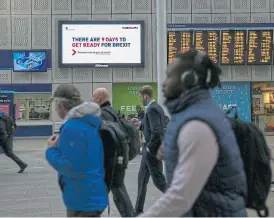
[(187, 99)]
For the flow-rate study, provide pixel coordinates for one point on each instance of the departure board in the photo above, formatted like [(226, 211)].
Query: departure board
[(259, 50), (208, 41), (233, 47), (178, 41)]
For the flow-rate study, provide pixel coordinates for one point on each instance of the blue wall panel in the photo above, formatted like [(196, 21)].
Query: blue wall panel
[(33, 131), (27, 87)]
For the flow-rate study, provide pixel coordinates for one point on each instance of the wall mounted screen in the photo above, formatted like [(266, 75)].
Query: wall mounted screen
[(208, 41), (233, 47), (101, 44), (29, 61), (260, 45), (226, 44)]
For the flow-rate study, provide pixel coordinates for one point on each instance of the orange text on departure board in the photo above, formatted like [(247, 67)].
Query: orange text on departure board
[(208, 41)]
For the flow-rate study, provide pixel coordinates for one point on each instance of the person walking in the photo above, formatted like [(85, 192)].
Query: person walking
[(101, 96), (77, 154), (204, 168), (6, 139), (152, 127)]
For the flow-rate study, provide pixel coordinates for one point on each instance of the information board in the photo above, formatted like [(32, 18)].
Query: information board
[(233, 47), (101, 44), (208, 41), (226, 44), (180, 41), (260, 46)]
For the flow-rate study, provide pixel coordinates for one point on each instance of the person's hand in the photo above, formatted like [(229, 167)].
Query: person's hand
[(160, 153), (52, 141), (136, 122)]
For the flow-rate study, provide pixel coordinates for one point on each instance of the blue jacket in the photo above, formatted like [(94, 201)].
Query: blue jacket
[(79, 161)]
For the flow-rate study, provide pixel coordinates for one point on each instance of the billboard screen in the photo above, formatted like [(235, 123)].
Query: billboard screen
[(101, 44), (29, 61)]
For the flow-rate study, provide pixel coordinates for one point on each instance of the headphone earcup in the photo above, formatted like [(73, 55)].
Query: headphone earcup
[(189, 79)]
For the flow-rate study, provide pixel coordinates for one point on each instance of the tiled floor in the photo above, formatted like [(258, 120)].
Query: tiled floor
[(36, 193)]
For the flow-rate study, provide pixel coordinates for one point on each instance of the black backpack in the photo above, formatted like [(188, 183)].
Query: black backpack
[(256, 157), (10, 123), (115, 146), (111, 131), (132, 134)]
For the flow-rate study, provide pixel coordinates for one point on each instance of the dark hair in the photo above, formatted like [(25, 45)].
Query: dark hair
[(146, 90), (187, 62)]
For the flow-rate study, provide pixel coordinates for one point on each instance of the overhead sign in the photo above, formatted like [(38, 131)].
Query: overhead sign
[(225, 44), (101, 44)]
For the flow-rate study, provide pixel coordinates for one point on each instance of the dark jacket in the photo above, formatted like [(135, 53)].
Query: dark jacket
[(225, 190), (5, 139), (152, 127), (114, 177)]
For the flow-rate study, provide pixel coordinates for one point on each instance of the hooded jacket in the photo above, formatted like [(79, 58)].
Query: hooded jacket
[(79, 160)]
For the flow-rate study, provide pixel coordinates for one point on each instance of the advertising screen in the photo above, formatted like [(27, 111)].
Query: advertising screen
[(234, 94), (125, 96), (101, 44), (26, 61)]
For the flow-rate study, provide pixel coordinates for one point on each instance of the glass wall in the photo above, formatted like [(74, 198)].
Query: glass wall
[(32, 107), (263, 106)]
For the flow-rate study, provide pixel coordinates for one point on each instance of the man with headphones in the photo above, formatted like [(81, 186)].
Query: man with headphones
[(204, 169)]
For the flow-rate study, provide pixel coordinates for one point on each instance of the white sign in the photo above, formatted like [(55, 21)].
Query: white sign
[(101, 45)]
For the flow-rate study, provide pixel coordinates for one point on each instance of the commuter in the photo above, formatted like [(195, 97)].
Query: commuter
[(6, 139), (101, 96), (77, 154), (152, 128), (205, 176)]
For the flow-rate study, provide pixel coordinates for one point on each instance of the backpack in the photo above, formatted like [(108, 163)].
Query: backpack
[(112, 135), (10, 123), (256, 157), (115, 145), (131, 132), (110, 131)]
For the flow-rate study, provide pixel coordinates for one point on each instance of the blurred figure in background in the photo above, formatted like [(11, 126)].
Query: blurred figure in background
[(140, 112), (7, 128)]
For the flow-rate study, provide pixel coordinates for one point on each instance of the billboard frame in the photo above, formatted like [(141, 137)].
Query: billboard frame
[(101, 65)]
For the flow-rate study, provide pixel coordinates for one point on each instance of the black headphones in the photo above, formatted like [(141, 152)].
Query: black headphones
[(190, 78)]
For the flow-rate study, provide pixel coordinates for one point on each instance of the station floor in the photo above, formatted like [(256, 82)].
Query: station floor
[(36, 193)]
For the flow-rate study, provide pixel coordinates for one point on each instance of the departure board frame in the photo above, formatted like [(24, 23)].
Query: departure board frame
[(226, 27)]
